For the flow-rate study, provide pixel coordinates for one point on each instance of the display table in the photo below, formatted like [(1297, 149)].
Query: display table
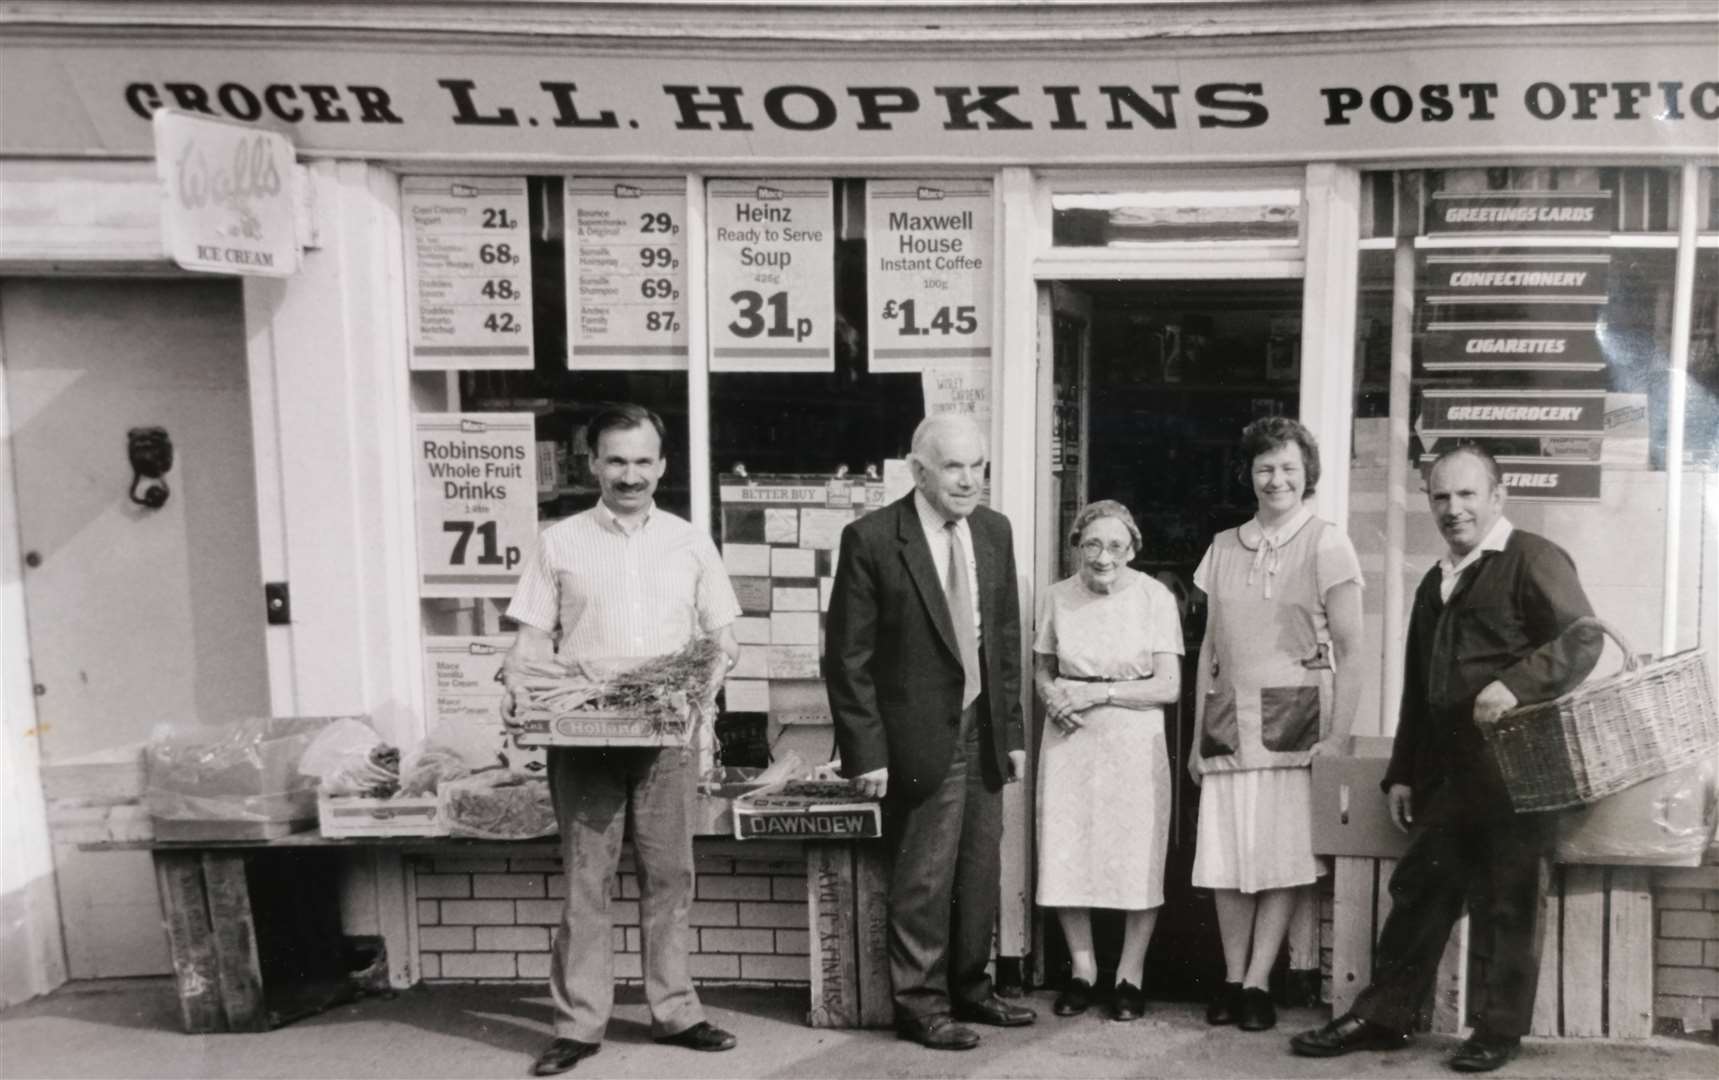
[(255, 937)]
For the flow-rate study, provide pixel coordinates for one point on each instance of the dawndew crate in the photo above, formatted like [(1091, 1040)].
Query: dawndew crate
[(796, 810), (402, 815), (594, 728)]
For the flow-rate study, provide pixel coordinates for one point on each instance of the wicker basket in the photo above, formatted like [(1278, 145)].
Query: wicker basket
[(1608, 734)]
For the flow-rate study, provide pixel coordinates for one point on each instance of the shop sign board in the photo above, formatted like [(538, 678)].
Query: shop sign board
[(477, 501), (626, 274), (1511, 346), (772, 294), (468, 272), (228, 195), (1512, 413), (1619, 90), (1505, 278), (1544, 479), (929, 248), (1538, 212)]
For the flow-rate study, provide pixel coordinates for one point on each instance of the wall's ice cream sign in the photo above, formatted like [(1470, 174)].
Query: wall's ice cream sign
[(229, 195)]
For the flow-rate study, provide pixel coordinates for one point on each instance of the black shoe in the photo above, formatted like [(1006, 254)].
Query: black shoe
[(1257, 1013), (561, 1055), (700, 1036), (1226, 1005), (1127, 1002), (937, 1033), (994, 1011), (1345, 1035), (1076, 998), (1483, 1053)]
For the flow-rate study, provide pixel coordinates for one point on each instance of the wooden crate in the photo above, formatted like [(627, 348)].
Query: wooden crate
[(254, 936), (847, 895), (1596, 968), (594, 728)]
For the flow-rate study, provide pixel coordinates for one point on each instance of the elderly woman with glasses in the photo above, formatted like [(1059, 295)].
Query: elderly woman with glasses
[(1278, 686), (1106, 661)]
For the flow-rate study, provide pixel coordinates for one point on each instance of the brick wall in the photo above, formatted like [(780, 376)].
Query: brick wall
[(1686, 948), (489, 913)]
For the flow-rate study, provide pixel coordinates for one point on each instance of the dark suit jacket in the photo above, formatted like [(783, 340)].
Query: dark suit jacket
[(891, 661), (1505, 620)]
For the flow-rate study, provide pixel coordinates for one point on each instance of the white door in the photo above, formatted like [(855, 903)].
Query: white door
[(138, 617)]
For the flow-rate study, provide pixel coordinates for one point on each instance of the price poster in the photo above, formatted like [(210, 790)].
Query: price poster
[(463, 698), (468, 272), (626, 274), (928, 287), (772, 275), (477, 501)]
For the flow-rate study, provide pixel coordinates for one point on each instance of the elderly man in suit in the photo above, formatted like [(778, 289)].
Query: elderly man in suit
[(922, 660)]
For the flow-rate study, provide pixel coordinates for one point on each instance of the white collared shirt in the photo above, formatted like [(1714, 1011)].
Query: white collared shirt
[(1450, 571), (937, 539)]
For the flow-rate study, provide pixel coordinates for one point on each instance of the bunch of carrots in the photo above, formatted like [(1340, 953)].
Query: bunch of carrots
[(664, 688)]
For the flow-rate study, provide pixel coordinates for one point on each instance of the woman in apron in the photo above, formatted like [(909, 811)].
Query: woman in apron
[(1277, 687)]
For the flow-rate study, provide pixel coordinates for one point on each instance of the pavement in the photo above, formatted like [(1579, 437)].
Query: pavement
[(130, 1028)]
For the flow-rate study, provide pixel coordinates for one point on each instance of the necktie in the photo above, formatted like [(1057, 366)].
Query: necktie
[(958, 590)]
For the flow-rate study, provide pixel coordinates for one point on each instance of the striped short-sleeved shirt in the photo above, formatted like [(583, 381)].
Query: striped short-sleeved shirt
[(617, 595)]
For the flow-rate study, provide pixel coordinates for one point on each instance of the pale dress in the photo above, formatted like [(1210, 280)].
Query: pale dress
[(1104, 790), (1255, 827)]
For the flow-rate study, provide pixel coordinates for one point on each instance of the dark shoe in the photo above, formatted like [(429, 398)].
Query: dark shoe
[(1076, 998), (937, 1033), (1226, 1005), (994, 1011), (1257, 1012), (561, 1055), (1345, 1035), (1127, 1002), (1483, 1053), (700, 1036)]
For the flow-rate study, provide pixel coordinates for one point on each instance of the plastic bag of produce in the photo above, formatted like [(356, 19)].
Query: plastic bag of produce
[(1665, 821), (242, 773), (349, 758), (499, 805)]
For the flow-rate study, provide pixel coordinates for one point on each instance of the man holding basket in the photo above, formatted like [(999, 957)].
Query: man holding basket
[(1487, 633)]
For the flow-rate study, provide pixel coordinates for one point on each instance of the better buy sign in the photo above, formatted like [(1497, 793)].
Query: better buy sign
[(228, 191)]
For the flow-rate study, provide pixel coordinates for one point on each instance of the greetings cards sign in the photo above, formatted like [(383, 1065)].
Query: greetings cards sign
[(477, 501), (928, 283), (772, 275)]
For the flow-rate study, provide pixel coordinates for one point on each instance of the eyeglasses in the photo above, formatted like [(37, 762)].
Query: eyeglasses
[(1092, 549)]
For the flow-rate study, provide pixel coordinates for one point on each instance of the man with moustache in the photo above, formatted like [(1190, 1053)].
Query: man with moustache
[(624, 580), (1487, 633), (922, 660)]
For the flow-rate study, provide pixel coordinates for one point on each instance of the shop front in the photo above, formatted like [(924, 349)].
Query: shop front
[(1110, 243)]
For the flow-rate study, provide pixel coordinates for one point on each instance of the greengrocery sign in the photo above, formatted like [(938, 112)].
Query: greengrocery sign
[(1163, 102)]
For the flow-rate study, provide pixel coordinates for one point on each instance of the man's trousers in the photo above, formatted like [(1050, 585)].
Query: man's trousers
[(1497, 862), (943, 882), (596, 792)]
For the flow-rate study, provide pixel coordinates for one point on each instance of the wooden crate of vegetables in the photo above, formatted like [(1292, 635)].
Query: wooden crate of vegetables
[(656, 702), (807, 810)]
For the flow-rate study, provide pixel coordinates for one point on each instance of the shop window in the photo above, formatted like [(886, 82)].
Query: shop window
[(1208, 209), (1540, 331)]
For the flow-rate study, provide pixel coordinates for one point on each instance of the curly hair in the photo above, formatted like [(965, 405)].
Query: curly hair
[(1103, 508), (1271, 432)]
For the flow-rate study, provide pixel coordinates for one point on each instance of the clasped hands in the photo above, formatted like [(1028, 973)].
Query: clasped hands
[(1066, 699)]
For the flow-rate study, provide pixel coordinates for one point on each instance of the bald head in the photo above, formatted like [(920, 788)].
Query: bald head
[(949, 463)]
